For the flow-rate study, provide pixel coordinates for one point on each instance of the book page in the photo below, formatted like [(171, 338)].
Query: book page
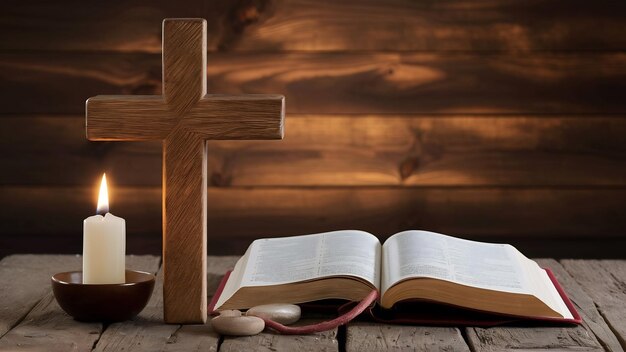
[(411, 254), (544, 289), (274, 261)]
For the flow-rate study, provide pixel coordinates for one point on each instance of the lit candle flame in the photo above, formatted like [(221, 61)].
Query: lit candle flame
[(103, 197)]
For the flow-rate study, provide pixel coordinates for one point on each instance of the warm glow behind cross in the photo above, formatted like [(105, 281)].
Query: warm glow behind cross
[(184, 117)]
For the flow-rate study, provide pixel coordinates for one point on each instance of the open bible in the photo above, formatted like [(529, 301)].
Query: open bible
[(413, 267)]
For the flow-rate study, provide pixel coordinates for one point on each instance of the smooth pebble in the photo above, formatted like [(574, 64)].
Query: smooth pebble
[(237, 326), (230, 313), (279, 312)]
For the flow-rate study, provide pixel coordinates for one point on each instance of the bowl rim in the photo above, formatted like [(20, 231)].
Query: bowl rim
[(146, 277)]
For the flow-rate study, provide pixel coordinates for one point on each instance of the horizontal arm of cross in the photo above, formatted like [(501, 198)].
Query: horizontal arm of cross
[(253, 116), (128, 118), (214, 116)]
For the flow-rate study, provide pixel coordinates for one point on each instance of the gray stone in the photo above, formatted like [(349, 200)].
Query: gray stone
[(237, 326), (281, 313)]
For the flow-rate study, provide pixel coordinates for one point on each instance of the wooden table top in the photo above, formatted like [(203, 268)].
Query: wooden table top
[(30, 318)]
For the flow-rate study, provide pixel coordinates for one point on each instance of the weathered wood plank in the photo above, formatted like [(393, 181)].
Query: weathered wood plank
[(187, 338), (47, 327), (534, 219), (66, 208), (383, 337), (592, 320), (57, 148), (605, 282), (74, 25), (428, 151), (532, 339), (373, 82), (148, 332), (320, 25), (343, 150), (485, 212), (25, 280), (269, 341), (202, 337), (428, 83), (593, 335), (61, 82), (410, 25), (495, 213)]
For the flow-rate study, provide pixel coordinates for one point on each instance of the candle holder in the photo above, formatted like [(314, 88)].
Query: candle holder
[(102, 302)]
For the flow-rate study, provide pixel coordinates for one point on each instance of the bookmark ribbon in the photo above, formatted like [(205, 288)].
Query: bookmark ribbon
[(325, 325)]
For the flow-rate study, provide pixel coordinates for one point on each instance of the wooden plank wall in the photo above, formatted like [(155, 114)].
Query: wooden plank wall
[(491, 120)]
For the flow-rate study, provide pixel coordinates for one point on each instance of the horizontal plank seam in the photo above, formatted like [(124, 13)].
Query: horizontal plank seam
[(555, 236), (559, 115), (547, 187), (442, 187), (485, 52)]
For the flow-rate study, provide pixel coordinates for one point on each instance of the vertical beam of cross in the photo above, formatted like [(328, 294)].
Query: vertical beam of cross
[(184, 174), (184, 117)]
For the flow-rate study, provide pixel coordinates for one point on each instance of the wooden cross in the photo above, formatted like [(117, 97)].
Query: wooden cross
[(184, 117)]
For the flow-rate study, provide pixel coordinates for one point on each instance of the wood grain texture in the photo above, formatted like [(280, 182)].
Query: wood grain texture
[(425, 60), (388, 82), (341, 150), (183, 118), (202, 337), (184, 228), (366, 150), (149, 118), (62, 155), (383, 337), (128, 118), (119, 26), (194, 338), (268, 341), (237, 216), (25, 280), (592, 335), (283, 25), (500, 213), (146, 332), (238, 117), (47, 327), (429, 26), (342, 83), (592, 319), (604, 281), (532, 339), (184, 63)]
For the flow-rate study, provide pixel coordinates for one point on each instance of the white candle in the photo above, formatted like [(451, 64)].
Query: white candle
[(104, 244)]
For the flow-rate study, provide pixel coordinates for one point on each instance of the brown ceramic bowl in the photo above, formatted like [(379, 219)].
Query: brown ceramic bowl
[(102, 302)]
